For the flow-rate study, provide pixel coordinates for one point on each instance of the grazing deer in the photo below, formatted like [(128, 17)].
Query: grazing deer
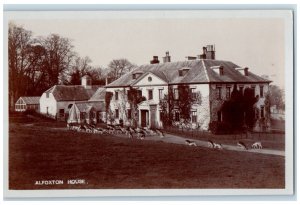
[(256, 145), (241, 145), (210, 144), (190, 143), (218, 146), (160, 133), (214, 145)]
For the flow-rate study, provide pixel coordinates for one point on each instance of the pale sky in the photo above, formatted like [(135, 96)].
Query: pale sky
[(257, 43)]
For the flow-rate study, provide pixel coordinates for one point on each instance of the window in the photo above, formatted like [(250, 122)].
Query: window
[(228, 92), (117, 113), (150, 94), (149, 78), (176, 94), (219, 92), (61, 112), (193, 93), (116, 95), (177, 116), (261, 91), (129, 114), (194, 116), (262, 111), (160, 93), (47, 95), (70, 105)]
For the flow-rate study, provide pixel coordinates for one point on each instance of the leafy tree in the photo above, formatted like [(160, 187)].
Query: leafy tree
[(164, 113), (108, 97), (134, 97), (184, 102), (276, 96)]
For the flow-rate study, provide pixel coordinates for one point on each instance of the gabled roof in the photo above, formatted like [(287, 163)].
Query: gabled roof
[(200, 71), (31, 100), (87, 106), (99, 95), (72, 92), (145, 74)]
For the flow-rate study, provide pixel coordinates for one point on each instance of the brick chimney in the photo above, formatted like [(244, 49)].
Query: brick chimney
[(208, 52), (86, 81), (155, 60), (244, 71), (167, 58)]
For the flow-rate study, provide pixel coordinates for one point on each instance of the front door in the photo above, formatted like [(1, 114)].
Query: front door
[(144, 118)]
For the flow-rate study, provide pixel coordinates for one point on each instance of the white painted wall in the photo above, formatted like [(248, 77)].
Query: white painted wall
[(49, 102)]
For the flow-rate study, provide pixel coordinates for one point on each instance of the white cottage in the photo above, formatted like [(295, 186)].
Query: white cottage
[(58, 100)]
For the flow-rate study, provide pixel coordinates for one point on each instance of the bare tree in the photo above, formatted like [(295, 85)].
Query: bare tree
[(117, 68), (80, 67), (18, 41), (97, 75), (59, 55)]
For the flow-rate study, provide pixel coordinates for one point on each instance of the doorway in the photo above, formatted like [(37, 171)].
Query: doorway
[(144, 118)]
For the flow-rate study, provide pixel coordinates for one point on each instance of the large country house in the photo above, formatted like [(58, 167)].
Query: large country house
[(57, 101), (212, 80)]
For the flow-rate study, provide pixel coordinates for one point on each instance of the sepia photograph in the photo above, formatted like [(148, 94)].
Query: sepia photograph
[(162, 102)]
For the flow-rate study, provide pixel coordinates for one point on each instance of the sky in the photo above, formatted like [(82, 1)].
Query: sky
[(254, 42)]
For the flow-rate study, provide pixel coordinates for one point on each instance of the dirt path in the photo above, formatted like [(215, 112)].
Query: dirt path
[(181, 140), (170, 138)]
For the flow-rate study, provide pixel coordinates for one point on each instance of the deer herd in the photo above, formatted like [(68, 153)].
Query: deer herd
[(141, 133)]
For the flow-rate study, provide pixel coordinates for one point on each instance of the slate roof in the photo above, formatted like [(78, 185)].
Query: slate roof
[(87, 106), (99, 95), (72, 92), (31, 100), (200, 71)]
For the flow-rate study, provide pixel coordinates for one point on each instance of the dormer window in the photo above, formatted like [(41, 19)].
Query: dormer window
[(218, 69), (183, 71)]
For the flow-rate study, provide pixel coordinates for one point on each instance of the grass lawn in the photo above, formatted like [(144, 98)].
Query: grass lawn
[(45, 151)]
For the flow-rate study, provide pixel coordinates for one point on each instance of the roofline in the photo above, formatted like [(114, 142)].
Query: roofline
[(145, 74), (215, 82)]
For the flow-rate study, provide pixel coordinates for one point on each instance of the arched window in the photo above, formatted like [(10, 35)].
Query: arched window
[(69, 106)]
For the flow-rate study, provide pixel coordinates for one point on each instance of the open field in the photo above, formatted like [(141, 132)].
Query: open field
[(47, 151)]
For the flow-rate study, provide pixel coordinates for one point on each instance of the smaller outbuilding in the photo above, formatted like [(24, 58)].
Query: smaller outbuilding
[(27, 103), (87, 112)]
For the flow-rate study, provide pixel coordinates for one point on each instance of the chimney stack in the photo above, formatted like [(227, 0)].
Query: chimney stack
[(155, 60), (167, 58), (208, 52), (86, 81), (246, 71)]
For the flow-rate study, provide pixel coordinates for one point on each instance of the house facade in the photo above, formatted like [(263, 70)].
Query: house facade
[(27, 103), (57, 101), (211, 83)]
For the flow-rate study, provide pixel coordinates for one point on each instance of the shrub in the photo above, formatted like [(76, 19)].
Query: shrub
[(220, 127)]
